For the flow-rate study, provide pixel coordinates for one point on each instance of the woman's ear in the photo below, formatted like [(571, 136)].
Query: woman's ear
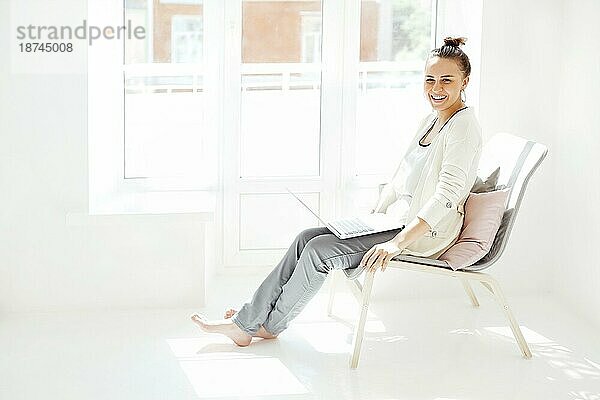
[(465, 82)]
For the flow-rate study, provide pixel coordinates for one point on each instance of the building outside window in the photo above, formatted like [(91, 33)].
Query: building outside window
[(186, 39)]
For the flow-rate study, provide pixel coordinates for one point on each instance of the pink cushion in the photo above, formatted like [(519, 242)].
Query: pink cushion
[(483, 215)]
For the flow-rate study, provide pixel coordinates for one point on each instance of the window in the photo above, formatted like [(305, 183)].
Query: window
[(395, 37), (238, 100), (280, 93), (164, 96)]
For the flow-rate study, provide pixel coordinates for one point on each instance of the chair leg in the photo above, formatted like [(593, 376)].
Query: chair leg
[(494, 287), (470, 292), (335, 278), (359, 330)]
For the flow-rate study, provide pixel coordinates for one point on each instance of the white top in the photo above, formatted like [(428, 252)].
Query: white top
[(410, 169), (442, 185)]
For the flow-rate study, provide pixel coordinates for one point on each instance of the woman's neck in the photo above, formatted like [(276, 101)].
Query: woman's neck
[(445, 115)]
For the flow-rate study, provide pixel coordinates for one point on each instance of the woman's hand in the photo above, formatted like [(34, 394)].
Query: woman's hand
[(380, 254)]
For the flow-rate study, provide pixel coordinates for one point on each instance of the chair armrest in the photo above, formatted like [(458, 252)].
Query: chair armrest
[(421, 260)]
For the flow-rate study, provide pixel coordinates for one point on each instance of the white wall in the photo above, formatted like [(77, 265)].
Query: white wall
[(577, 154), (541, 79), (519, 40), (48, 264)]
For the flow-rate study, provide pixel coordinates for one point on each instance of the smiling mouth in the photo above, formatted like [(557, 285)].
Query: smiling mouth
[(437, 98)]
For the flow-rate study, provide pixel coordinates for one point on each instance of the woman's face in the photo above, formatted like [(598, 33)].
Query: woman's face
[(443, 81)]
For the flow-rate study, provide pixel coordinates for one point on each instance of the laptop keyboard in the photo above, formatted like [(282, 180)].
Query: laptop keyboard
[(352, 226)]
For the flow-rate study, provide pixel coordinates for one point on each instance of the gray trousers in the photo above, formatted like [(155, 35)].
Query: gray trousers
[(300, 274)]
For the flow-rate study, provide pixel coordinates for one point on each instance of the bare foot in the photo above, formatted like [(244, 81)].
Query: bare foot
[(229, 329), (262, 332)]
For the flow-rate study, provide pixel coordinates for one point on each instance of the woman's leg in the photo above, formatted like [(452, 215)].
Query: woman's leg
[(320, 255), (297, 283), (252, 314)]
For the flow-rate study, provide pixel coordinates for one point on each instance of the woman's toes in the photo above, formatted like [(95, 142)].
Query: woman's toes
[(228, 329), (199, 319)]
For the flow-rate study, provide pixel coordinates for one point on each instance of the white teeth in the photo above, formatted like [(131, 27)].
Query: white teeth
[(438, 97)]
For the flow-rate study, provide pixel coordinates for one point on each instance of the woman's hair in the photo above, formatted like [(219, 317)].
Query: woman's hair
[(451, 50)]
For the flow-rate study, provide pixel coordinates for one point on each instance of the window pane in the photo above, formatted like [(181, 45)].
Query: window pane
[(281, 88), (395, 39), (164, 96)]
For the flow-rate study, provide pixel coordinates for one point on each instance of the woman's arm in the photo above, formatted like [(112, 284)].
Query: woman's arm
[(413, 231), (380, 254)]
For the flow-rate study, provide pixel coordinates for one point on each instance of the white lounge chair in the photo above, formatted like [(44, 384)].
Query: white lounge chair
[(518, 159)]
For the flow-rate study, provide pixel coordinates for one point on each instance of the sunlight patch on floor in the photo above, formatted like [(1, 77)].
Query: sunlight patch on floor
[(584, 395), (326, 337), (555, 354), (335, 337), (209, 362), (532, 337), (263, 376)]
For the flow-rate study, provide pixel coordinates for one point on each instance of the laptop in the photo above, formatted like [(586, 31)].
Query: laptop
[(346, 228)]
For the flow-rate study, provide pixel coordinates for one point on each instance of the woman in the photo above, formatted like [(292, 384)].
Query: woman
[(426, 193)]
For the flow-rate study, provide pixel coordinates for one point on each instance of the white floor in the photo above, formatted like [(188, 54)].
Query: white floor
[(430, 350)]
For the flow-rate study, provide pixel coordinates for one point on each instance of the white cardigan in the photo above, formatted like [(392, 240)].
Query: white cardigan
[(444, 184)]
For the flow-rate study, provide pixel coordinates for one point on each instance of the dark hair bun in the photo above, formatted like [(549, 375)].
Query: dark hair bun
[(451, 50), (454, 42)]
